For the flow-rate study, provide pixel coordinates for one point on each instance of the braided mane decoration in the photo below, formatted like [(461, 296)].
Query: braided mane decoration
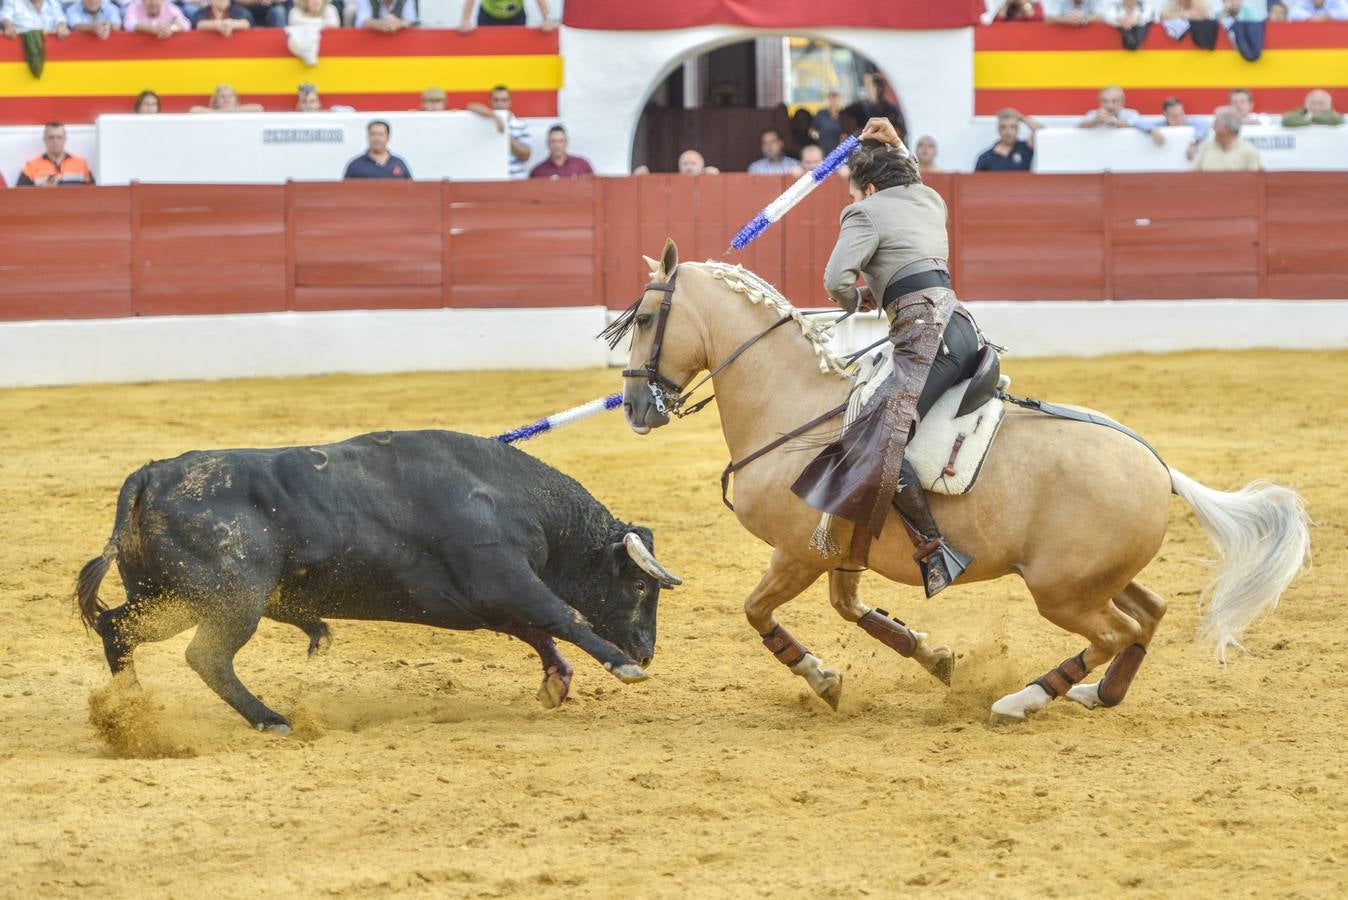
[(742, 281)]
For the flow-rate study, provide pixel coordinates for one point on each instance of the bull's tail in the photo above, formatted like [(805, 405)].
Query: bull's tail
[(91, 576)]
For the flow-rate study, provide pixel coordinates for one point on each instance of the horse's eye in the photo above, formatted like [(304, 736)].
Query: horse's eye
[(644, 320)]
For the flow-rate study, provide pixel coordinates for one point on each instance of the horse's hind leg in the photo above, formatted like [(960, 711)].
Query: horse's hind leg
[(786, 578), (1109, 629), (843, 585), (1147, 607)]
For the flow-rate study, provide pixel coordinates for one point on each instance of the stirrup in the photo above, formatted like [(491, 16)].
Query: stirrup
[(949, 565)]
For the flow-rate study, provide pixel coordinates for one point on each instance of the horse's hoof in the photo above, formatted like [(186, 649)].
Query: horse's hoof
[(554, 690), (280, 728), (629, 673), (998, 719), (830, 691), (1088, 695), (944, 667)]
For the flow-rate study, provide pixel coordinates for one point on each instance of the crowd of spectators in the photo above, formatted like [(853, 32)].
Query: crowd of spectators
[(1130, 14), (165, 18)]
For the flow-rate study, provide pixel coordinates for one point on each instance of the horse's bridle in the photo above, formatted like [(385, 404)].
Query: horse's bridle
[(669, 397)]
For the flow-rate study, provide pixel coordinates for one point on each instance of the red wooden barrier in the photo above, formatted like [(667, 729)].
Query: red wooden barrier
[(181, 249)]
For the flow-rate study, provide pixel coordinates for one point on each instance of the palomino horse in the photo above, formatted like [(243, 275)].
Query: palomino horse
[(1076, 510)]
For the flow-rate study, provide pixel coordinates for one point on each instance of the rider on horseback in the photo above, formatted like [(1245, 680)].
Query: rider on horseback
[(894, 233)]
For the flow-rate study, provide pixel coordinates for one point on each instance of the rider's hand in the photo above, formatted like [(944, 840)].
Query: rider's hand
[(867, 302), (882, 130)]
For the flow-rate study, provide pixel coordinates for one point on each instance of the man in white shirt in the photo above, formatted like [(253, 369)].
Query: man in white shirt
[(1317, 10), (1073, 12), (19, 16)]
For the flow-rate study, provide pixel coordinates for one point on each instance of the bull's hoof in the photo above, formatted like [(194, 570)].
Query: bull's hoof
[(944, 666), (630, 673), (282, 728), (321, 641), (556, 685), (830, 688)]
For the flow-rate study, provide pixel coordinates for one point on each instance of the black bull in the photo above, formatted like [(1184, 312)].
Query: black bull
[(429, 527)]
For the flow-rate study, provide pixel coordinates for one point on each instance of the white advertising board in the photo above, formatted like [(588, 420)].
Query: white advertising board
[(270, 148), (1314, 148)]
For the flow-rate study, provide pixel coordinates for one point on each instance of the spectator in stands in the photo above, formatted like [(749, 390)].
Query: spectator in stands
[(811, 155), (307, 99), (926, 154), (559, 163), (1019, 11), (1010, 153), (386, 15), (1242, 101), (225, 99), (160, 18), (147, 102), (271, 13), (99, 17), (692, 163), (1242, 11), (503, 12), (826, 127), (1318, 10), (520, 141), (21, 16), (224, 17), (876, 104), (1111, 113), (55, 167), (774, 160), (1319, 110), (1072, 12), (1133, 19), (1172, 115), (377, 161), (315, 13), (433, 100), (1226, 151), (1277, 12)]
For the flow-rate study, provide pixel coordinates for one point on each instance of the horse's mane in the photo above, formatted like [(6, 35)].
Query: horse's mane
[(742, 281)]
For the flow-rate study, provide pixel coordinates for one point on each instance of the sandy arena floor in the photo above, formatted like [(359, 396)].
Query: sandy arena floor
[(422, 764)]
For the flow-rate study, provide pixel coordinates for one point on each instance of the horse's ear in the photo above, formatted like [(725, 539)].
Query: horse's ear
[(653, 263), (669, 260)]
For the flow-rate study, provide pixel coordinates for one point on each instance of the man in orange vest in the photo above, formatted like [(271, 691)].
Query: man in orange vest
[(55, 166)]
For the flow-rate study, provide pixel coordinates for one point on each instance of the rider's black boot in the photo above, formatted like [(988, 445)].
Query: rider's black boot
[(940, 563)]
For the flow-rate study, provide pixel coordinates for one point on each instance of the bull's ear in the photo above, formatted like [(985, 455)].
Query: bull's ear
[(617, 552), (653, 263), (669, 260)]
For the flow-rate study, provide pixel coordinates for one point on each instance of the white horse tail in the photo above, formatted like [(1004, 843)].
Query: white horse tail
[(1262, 534)]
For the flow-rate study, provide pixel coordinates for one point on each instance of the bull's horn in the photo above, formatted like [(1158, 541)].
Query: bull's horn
[(646, 561)]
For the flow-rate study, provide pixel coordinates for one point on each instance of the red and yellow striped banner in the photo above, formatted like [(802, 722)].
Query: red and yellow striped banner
[(85, 76), (1052, 70)]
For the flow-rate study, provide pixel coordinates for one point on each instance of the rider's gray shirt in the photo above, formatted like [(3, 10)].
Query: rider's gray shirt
[(880, 235)]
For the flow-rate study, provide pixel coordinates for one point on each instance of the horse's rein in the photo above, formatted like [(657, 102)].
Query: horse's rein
[(668, 403)]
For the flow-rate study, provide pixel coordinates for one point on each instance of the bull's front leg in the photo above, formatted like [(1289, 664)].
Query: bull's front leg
[(556, 670), (527, 600)]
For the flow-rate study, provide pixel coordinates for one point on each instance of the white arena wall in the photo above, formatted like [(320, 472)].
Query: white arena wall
[(162, 348)]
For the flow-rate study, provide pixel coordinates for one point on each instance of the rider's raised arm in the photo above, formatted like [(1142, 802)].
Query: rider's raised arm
[(857, 242)]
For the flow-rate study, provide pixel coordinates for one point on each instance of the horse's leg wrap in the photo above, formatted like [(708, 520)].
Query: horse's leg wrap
[(1056, 682), (787, 649), (888, 631), (1119, 675)]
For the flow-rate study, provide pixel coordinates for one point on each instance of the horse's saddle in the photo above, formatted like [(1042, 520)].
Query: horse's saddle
[(953, 439)]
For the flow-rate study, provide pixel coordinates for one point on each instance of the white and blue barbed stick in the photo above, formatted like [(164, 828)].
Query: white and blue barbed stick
[(566, 417), (771, 213), (794, 194)]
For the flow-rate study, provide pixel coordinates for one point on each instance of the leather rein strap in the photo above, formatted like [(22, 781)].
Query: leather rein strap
[(734, 467)]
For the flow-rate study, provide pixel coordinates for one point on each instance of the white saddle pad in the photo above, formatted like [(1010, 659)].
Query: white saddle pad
[(946, 452)]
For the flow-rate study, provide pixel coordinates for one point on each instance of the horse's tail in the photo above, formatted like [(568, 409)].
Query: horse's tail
[(1262, 534), (91, 576)]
